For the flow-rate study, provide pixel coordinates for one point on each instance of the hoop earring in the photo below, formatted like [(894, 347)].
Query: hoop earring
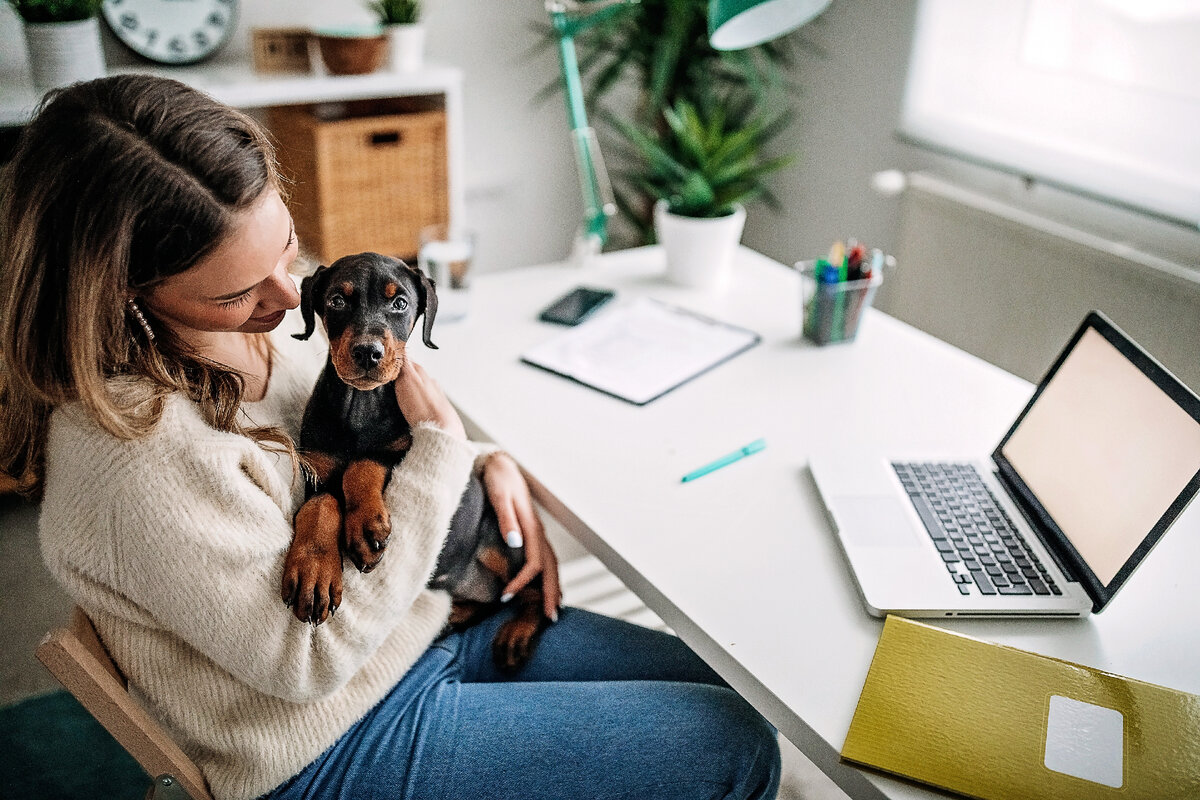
[(140, 317)]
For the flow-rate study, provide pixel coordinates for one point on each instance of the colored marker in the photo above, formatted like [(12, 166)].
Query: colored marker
[(837, 328), (837, 254), (724, 461), (855, 259), (826, 275)]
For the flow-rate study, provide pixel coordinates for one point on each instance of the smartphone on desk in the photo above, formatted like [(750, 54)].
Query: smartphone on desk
[(576, 305)]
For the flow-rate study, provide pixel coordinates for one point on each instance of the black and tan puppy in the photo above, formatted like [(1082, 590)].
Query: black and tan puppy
[(352, 435)]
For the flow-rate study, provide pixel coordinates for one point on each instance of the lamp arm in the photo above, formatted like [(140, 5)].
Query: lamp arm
[(598, 203)]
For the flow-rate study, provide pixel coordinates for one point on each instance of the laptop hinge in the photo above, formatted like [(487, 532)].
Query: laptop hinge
[(1035, 524)]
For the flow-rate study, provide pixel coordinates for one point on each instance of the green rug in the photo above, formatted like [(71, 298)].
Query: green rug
[(51, 748)]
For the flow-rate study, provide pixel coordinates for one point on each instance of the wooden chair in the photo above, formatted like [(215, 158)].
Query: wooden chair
[(76, 656)]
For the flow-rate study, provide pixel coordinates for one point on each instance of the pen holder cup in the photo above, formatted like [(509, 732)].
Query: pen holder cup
[(830, 312)]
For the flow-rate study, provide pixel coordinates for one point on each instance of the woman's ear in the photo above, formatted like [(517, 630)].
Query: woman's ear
[(312, 286)]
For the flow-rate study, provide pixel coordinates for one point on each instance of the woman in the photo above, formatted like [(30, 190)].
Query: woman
[(154, 396)]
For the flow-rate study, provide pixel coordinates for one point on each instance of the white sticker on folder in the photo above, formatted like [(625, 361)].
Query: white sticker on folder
[(1085, 741)]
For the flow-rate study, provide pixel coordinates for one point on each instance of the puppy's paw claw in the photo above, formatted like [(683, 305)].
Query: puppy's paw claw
[(312, 583), (365, 537)]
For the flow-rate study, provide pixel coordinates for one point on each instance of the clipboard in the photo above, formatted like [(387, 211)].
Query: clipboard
[(639, 350)]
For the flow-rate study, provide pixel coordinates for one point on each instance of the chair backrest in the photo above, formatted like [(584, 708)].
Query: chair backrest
[(76, 656)]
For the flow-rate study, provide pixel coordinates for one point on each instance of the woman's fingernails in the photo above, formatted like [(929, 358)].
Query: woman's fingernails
[(554, 616), (514, 539), (504, 598)]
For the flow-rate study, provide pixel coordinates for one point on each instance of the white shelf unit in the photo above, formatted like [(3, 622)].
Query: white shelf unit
[(237, 85)]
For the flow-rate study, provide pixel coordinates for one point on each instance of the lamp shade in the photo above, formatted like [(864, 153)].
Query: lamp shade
[(737, 24)]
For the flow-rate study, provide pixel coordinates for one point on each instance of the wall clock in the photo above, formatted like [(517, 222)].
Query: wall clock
[(171, 31)]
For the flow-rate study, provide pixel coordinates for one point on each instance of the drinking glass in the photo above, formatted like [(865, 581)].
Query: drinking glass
[(445, 256)]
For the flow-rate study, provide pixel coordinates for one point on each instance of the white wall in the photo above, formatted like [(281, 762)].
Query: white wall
[(849, 82)]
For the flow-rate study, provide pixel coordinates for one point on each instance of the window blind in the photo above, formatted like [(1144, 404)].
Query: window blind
[(1102, 96)]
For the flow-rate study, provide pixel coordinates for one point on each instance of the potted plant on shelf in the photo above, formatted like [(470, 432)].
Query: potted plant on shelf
[(401, 20), (62, 38), (702, 170)]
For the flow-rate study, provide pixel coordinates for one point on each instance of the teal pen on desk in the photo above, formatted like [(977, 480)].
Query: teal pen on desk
[(724, 461)]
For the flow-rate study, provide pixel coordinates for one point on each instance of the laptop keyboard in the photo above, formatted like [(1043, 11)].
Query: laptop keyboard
[(975, 537)]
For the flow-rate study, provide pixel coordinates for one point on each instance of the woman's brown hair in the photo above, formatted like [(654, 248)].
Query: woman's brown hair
[(115, 185)]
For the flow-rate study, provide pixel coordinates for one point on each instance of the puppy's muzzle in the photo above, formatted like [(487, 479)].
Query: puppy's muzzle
[(367, 355), (368, 362)]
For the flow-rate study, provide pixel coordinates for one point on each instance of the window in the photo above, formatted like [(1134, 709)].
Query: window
[(1102, 96)]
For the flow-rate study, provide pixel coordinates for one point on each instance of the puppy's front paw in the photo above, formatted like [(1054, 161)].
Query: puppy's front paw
[(312, 581), (365, 535), (367, 523), (312, 569)]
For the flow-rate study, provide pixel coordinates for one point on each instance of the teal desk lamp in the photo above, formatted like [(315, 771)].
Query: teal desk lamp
[(738, 24), (732, 25)]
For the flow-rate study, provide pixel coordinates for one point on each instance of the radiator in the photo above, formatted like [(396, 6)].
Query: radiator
[(1010, 286)]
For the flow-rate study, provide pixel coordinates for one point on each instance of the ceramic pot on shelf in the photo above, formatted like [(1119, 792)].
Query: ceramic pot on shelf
[(350, 51), (407, 46), (699, 250), (62, 53)]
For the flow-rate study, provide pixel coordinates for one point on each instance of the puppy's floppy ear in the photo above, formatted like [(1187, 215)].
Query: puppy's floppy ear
[(312, 286), (429, 304)]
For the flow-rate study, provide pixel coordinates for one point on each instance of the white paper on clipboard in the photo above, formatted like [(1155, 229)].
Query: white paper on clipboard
[(640, 349)]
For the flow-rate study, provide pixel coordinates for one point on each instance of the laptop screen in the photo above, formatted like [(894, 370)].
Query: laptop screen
[(1108, 450)]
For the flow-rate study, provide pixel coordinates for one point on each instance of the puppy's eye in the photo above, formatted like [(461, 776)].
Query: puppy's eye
[(336, 303), (400, 303)]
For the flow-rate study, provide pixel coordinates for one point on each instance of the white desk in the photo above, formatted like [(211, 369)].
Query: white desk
[(742, 562)]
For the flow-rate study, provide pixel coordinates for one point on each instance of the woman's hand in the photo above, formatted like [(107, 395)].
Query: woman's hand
[(509, 495), (422, 400)]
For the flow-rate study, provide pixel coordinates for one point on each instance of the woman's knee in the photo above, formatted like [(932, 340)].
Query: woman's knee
[(735, 739), (761, 748)]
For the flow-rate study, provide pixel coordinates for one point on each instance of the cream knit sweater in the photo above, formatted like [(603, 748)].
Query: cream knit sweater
[(174, 545)]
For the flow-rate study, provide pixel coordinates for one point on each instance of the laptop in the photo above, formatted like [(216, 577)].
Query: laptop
[(1095, 469)]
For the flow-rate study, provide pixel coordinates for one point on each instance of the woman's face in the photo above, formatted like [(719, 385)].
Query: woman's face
[(243, 285)]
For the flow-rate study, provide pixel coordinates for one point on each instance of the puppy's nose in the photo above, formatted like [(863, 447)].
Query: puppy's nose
[(368, 354)]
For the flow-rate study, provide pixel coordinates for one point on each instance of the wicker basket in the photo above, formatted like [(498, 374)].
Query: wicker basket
[(362, 181)]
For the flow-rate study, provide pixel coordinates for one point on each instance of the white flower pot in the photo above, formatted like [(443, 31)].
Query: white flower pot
[(699, 251), (61, 53), (408, 47)]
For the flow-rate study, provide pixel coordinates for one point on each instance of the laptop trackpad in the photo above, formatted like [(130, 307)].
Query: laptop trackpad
[(875, 521)]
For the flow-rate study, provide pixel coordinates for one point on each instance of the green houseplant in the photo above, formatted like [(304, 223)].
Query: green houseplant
[(397, 12), (701, 171), (660, 48), (41, 11), (62, 38), (708, 161), (401, 19)]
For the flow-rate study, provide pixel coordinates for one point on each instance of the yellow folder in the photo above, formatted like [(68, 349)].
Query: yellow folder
[(994, 722)]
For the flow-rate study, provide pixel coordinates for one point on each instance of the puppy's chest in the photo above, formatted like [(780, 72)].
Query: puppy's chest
[(356, 422)]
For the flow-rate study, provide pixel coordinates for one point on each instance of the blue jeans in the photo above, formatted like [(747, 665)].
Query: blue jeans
[(603, 709)]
